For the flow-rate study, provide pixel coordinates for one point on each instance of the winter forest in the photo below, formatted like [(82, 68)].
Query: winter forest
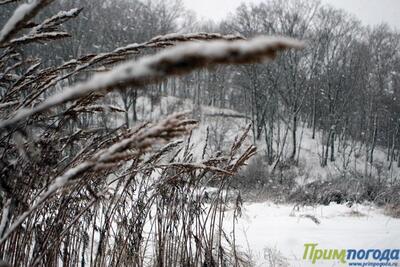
[(133, 133)]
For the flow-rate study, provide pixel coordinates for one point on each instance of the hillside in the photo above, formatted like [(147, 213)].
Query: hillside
[(271, 234), (224, 124)]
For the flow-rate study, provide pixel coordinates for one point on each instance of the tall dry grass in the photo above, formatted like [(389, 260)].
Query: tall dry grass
[(95, 196)]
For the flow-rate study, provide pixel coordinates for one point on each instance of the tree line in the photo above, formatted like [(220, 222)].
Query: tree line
[(343, 85)]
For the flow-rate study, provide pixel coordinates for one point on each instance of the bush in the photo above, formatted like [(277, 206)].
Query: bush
[(341, 190), (257, 181)]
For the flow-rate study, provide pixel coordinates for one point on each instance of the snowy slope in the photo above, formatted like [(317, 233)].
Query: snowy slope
[(223, 129)]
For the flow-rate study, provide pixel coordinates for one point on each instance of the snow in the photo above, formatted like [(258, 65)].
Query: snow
[(23, 12), (54, 20), (68, 13), (39, 36), (193, 36), (345, 161), (62, 180), (19, 15), (266, 227)]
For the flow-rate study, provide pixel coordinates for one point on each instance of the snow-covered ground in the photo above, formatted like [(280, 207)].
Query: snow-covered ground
[(275, 235)]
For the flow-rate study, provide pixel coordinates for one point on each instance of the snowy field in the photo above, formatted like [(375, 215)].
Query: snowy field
[(275, 234)]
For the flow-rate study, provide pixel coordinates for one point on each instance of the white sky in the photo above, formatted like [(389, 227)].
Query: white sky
[(369, 11)]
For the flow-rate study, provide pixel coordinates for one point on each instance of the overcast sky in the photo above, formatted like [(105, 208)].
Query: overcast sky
[(369, 11)]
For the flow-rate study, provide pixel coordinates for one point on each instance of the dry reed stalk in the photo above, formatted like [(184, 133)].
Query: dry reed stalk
[(102, 197)]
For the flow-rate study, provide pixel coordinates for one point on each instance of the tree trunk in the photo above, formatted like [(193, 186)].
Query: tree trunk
[(333, 145), (388, 140), (393, 146), (314, 116), (374, 136), (327, 145), (126, 107), (134, 102), (294, 136)]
